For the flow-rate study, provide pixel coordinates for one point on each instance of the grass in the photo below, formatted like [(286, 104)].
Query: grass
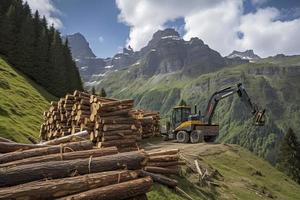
[(244, 176), (22, 104)]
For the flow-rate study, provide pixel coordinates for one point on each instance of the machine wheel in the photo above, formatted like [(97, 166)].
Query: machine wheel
[(183, 137), (196, 136)]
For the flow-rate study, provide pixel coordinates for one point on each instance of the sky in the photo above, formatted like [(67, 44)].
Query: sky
[(269, 27)]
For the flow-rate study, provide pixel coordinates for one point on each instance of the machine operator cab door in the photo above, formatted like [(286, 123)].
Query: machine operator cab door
[(179, 114)]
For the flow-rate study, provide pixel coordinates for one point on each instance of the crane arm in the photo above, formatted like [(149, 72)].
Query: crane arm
[(240, 90)]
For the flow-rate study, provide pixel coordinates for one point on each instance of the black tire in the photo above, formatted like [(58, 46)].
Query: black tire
[(196, 136), (182, 137)]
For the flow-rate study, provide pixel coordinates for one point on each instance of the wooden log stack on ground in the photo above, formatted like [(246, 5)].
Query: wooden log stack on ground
[(162, 164), (73, 170), (109, 122), (148, 123)]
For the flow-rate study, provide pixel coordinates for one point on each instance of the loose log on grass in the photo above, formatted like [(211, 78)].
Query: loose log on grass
[(119, 191), (56, 188), (53, 169), (161, 170), (165, 164), (73, 146), (161, 179)]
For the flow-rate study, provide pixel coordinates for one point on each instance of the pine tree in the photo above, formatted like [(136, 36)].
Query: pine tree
[(289, 156), (7, 36), (35, 49), (103, 93), (93, 90), (182, 103)]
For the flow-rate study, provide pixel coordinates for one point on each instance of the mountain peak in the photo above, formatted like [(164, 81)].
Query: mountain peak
[(80, 48), (245, 55), (166, 32)]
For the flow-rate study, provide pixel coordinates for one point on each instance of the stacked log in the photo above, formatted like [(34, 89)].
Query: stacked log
[(108, 121), (73, 170), (148, 123), (162, 164)]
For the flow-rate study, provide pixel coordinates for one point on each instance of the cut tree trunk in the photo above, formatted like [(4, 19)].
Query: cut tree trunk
[(165, 164), (50, 189), (64, 156), (59, 169), (6, 147), (161, 170), (73, 146), (122, 142), (119, 191), (164, 152), (113, 127), (77, 136), (5, 140), (140, 197), (118, 137), (161, 179), (163, 158)]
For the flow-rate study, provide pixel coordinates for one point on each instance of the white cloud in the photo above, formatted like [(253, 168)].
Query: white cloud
[(216, 22), (146, 17), (101, 39), (47, 9)]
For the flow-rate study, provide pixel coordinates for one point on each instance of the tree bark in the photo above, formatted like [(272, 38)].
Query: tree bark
[(163, 158), (56, 188), (117, 132), (118, 137), (119, 191), (5, 140), (165, 164), (115, 113), (116, 103), (139, 197), (118, 121), (113, 127), (161, 179), (163, 152), (77, 136), (6, 147), (64, 156), (122, 142), (59, 169), (73, 146), (161, 170)]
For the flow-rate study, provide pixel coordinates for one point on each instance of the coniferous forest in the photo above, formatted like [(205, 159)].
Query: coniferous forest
[(36, 49)]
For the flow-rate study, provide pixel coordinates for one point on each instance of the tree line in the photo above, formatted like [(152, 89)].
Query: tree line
[(36, 49)]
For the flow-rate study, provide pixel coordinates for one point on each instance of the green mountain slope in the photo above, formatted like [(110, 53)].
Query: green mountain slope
[(22, 104), (243, 175), (273, 83)]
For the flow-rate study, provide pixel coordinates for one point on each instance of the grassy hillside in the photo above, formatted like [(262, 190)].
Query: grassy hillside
[(22, 104), (243, 176), (273, 83)]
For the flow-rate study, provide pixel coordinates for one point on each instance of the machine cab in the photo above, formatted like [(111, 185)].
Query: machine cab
[(179, 114)]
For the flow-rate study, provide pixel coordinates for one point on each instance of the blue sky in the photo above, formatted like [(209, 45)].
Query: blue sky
[(224, 25), (97, 21)]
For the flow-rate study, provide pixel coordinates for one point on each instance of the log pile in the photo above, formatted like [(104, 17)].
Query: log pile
[(109, 121), (147, 122), (72, 170), (161, 164)]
